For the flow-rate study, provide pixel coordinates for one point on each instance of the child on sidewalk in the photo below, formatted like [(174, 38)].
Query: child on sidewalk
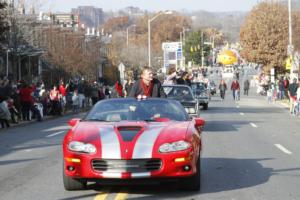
[(75, 101), (270, 95), (4, 113)]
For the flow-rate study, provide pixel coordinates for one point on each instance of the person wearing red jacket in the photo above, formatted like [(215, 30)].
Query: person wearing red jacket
[(26, 100), (235, 87), (63, 93), (119, 89)]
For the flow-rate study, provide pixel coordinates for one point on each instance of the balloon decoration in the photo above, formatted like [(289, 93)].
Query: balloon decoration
[(227, 57)]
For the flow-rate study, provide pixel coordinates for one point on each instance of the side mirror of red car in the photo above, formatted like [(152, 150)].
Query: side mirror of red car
[(199, 123), (73, 121)]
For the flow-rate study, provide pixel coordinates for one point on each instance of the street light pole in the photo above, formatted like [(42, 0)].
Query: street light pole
[(149, 43), (183, 44), (127, 37), (290, 48), (149, 32), (202, 52), (290, 24), (212, 48)]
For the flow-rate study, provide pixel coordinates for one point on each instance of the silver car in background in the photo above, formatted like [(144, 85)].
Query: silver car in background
[(201, 93), (185, 96)]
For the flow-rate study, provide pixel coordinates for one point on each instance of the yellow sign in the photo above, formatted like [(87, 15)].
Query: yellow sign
[(227, 57), (288, 63), (192, 49)]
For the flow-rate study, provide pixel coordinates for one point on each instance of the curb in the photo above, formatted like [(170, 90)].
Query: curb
[(284, 104), (46, 118)]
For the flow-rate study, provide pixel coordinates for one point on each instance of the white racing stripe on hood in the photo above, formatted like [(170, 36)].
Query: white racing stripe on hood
[(144, 145), (110, 143)]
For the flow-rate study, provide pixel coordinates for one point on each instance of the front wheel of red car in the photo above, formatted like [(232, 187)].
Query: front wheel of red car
[(73, 184), (192, 183)]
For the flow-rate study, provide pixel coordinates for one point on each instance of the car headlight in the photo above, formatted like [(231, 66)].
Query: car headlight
[(203, 95), (81, 147), (190, 110), (175, 146)]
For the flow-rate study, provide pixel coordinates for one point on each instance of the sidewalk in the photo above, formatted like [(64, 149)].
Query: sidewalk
[(284, 103), (45, 118)]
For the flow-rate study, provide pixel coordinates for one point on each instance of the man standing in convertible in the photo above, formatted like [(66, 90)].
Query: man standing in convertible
[(147, 85)]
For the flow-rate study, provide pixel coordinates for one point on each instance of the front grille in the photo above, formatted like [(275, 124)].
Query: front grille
[(134, 166)]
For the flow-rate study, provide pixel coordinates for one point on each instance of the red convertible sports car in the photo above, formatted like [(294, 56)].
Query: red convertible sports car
[(126, 140)]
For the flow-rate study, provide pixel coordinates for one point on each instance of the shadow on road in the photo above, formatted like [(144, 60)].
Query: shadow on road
[(224, 174), (32, 136), (224, 126), (261, 110), (217, 175), (229, 110)]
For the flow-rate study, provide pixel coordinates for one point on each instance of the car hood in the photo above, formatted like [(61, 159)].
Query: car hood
[(181, 98), (129, 139), (199, 92)]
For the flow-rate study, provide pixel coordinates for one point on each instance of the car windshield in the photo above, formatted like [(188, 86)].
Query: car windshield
[(179, 92), (229, 70), (133, 110), (198, 86), (212, 84)]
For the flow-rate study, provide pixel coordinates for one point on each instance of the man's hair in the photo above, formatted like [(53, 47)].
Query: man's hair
[(172, 70), (295, 80), (146, 68)]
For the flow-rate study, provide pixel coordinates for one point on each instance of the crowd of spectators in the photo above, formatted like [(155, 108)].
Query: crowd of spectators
[(23, 101)]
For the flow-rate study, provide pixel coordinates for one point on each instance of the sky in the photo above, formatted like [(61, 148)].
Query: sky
[(152, 5)]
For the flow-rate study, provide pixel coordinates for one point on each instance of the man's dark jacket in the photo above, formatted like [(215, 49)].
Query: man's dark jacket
[(157, 90)]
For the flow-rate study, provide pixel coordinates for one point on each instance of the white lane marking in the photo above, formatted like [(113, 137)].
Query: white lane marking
[(253, 125), (242, 114), (282, 148), (54, 134), (237, 106), (57, 128)]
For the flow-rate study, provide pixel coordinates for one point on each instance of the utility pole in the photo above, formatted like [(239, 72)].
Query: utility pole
[(290, 23), (213, 52), (11, 36), (290, 49), (149, 32), (202, 50)]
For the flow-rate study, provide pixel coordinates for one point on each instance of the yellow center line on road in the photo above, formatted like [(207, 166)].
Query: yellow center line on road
[(102, 195), (122, 195)]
